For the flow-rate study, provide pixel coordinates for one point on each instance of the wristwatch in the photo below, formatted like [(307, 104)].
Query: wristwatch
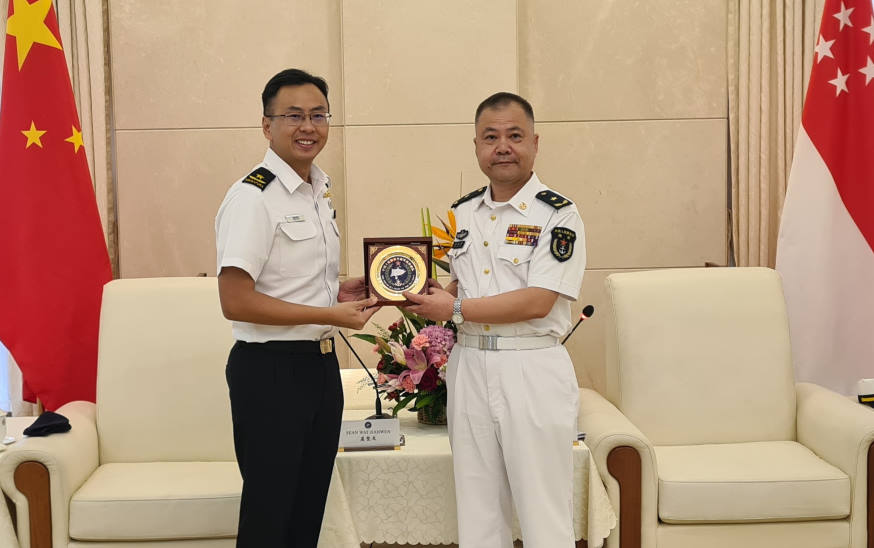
[(457, 317)]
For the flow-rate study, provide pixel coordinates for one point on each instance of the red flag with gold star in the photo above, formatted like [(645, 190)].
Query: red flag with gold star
[(54, 258)]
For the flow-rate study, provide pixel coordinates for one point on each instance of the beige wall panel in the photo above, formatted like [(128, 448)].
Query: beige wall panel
[(651, 194), (204, 63), (170, 185), (621, 60), (426, 62), (586, 345), (393, 171)]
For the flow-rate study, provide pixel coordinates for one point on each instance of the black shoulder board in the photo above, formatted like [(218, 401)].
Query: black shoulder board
[(469, 196), (555, 200), (261, 177)]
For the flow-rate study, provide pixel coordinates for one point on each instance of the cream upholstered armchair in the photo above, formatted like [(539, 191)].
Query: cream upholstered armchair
[(706, 440), (152, 464)]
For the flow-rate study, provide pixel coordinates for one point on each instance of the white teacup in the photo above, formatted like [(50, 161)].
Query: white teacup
[(865, 391)]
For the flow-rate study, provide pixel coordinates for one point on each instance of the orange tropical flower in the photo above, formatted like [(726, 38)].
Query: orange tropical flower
[(444, 237)]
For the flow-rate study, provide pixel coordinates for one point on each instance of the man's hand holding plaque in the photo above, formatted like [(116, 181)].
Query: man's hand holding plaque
[(393, 266)]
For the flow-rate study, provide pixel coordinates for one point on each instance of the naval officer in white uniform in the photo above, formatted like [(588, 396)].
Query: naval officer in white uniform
[(278, 262), (516, 264)]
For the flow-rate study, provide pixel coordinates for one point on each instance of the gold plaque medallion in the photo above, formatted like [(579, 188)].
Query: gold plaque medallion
[(397, 269), (393, 266)]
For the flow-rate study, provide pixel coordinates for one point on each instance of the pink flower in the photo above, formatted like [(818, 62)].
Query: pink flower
[(435, 357), (441, 339), (381, 379), (406, 381), (415, 359), (419, 342)]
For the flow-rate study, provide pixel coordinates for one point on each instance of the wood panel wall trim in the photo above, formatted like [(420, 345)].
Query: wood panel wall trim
[(624, 465), (32, 479)]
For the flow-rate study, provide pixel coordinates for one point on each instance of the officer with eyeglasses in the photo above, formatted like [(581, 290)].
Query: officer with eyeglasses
[(278, 259)]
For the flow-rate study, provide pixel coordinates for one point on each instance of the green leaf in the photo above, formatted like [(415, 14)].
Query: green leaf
[(425, 400), (417, 321), (441, 263), (364, 337), (403, 403)]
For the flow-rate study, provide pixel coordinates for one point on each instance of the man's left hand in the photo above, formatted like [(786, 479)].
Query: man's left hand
[(352, 290), (436, 305)]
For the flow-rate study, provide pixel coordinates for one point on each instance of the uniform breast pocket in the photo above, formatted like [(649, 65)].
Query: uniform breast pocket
[(298, 248), (459, 258), (515, 259)]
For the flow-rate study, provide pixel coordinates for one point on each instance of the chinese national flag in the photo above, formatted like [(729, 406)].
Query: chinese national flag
[(825, 251), (54, 259)]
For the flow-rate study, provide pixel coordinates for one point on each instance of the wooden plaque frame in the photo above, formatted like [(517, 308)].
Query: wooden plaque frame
[(417, 249)]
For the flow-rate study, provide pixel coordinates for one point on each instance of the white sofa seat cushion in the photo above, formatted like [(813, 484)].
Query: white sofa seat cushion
[(157, 500), (748, 482)]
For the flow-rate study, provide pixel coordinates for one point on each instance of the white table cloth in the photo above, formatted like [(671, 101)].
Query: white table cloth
[(408, 496)]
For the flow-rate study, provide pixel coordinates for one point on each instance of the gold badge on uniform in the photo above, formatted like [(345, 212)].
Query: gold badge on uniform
[(523, 235)]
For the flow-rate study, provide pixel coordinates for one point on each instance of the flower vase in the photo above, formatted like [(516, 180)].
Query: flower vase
[(431, 414)]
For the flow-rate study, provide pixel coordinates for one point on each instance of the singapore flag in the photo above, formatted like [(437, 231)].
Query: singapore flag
[(825, 251)]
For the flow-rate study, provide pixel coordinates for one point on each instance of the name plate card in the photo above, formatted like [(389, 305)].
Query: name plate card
[(370, 435)]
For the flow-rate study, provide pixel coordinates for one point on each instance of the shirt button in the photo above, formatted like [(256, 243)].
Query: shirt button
[(486, 271), (485, 244), (486, 327), (515, 260), (493, 217)]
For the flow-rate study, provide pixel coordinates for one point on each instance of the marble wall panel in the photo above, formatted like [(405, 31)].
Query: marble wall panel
[(170, 185), (204, 63), (621, 60), (651, 194), (393, 171), (426, 62)]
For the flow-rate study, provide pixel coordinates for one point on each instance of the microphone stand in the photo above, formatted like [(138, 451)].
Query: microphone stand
[(584, 315), (379, 414)]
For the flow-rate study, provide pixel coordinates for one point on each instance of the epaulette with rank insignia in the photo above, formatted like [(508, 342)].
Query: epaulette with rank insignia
[(469, 196), (555, 200), (261, 177)]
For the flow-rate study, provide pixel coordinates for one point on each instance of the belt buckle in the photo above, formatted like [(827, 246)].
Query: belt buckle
[(488, 342), (326, 346)]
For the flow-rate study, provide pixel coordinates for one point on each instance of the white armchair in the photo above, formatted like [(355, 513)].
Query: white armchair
[(706, 440), (152, 464)]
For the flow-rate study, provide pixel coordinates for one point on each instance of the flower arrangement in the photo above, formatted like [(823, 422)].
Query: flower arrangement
[(443, 237), (413, 353)]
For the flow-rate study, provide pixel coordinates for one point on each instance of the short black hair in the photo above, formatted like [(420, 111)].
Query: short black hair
[(291, 77), (502, 99)]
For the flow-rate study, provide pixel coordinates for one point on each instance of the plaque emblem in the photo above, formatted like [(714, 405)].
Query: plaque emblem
[(396, 269)]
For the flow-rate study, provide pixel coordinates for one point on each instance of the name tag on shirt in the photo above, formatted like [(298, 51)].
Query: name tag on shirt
[(294, 218)]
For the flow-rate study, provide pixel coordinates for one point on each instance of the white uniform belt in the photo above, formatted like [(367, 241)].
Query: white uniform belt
[(495, 342)]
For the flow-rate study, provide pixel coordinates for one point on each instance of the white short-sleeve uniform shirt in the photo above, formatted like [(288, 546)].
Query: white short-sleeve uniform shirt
[(536, 239), (285, 236)]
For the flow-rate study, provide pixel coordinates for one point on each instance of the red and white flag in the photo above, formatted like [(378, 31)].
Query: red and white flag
[(825, 251), (53, 259)]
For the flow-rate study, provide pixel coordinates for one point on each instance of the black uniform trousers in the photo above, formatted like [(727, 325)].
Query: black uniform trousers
[(286, 406)]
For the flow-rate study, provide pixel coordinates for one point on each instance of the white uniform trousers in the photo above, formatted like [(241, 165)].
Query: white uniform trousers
[(512, 421)]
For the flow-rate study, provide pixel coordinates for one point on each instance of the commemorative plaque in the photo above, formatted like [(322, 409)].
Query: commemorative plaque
[(395, 265)]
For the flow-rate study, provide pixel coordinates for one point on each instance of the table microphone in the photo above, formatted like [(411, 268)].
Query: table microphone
[(587, 312), (379, 414)]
